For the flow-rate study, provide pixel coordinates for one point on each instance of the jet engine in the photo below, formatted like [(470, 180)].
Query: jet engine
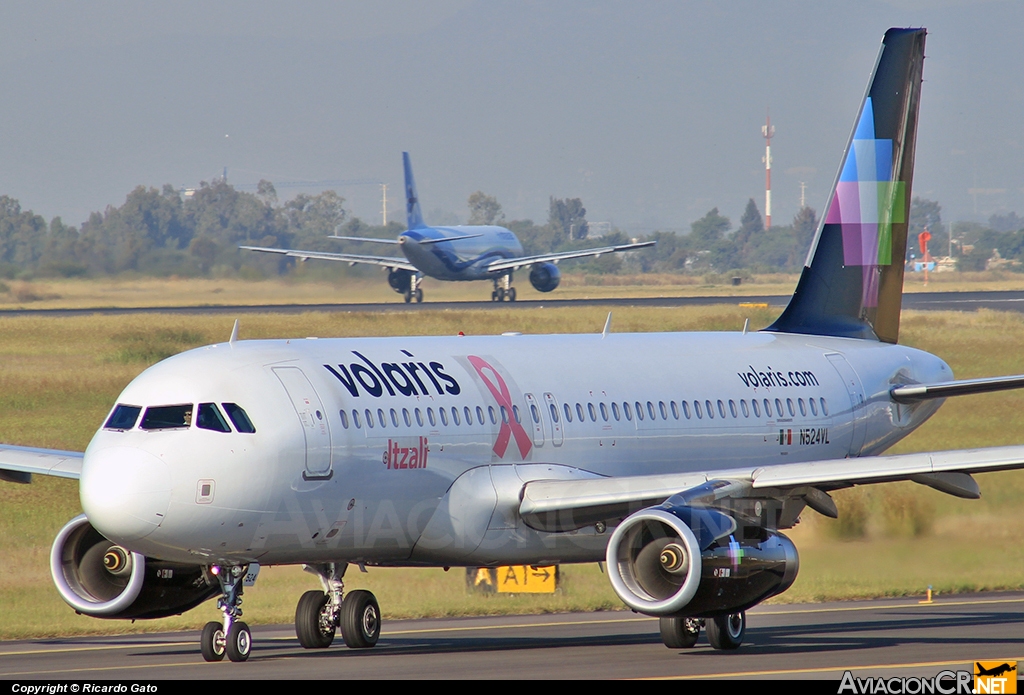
[(101, 579), (400, 280), (696, 562), (545, 277)]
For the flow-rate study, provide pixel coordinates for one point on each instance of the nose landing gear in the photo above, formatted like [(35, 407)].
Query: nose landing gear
[(503, 289), (232, 637), (319, 614)]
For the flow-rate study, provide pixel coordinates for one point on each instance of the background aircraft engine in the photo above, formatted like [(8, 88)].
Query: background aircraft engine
[(400, 280), (101, 579), (545, 277), (696, 562)]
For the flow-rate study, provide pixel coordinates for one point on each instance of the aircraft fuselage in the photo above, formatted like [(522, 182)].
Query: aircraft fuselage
[(414, 451)]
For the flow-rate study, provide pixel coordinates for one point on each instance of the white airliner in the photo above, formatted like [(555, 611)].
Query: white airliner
[(677, 458), (463, 253)]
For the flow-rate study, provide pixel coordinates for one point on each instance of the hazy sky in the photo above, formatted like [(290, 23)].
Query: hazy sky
[(650, 112)]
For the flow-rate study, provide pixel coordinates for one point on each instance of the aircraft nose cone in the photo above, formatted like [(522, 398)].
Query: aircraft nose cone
[(125, 492)]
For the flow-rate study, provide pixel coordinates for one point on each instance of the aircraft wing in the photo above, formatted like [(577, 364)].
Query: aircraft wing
[(565, 505), (517, 263), (350, 258), (18, 463)]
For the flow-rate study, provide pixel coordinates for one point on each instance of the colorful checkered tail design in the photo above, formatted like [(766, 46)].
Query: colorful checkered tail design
[(852, 282)]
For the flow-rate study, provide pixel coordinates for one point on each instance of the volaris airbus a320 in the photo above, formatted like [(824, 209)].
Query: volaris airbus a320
[(680, 459)]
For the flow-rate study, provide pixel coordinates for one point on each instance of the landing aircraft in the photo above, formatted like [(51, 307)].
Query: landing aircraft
[(461, 253), (681, 469)]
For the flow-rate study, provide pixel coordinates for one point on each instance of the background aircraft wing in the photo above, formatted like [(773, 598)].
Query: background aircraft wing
[(18, 463), (371, 240), (517, 263), (351, 258), (565, 505)]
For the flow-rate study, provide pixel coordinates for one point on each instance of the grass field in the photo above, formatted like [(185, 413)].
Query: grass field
[(317, 285), (59, 376)]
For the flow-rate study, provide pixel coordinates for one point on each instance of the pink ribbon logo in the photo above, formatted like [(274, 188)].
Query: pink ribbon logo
[(509, 427)]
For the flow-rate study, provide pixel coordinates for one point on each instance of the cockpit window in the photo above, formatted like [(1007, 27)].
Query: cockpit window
[(240, 420), (166, 417), (209, 418), (123, 417)]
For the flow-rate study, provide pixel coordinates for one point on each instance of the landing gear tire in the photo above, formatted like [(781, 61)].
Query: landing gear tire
[(360, 620), (419, 296), (726, 631), (212, 642), (408, 296), (511, 294), (679, 633), (496, 296), (239, 642), (314, 622)]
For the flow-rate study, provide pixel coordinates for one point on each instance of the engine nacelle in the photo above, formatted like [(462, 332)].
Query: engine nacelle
[(99, 578), (545, 277), (687, 562), (400, 280)]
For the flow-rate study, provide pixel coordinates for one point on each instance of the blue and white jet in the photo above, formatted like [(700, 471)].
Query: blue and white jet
[(679, 459), (459, 253)]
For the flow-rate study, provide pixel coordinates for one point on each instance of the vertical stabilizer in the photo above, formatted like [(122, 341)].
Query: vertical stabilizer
[(413, 214), (852, 282)]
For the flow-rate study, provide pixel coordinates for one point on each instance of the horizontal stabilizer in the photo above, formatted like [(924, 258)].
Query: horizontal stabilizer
[(912, 393)]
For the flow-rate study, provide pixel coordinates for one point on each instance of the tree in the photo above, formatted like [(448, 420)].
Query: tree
[(751, 227), (569, 217), (266, 192), (708, 230), (1006, 223), (484, 209), (805, 225)]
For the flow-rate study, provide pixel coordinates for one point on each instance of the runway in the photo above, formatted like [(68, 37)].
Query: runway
[(890, 638), (1009, 300)]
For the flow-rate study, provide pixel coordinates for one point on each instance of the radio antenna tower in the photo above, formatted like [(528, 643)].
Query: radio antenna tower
[(768, 131), (384, 203)]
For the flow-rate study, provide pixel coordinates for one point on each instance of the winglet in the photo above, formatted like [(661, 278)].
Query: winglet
[(413, 213), (234, 334)]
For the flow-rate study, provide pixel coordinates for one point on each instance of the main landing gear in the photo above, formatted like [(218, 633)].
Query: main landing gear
[(503, 289), (414, 292), (724, 632), (232, 636), (320, 613)]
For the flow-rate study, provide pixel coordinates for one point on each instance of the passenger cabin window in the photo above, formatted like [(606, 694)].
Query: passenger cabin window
[(455, 416), (344, 418), (814, 407), (369, 418), (209, 418), (721, 409), (686, 409), (824, 407), (628, 411), (744, 407), (696, 409), (675, 410), (593, 413), (444, 416), (405, 416), (480, 415), (554, 413), (710, 408), (803, 408), (732, 408), (490, 412), (419, 417), (394, 417), (568, 412), (639, 411), (124, 417), (167, 417), (757, 408), (579, 412), (789, 406), (469, 415), (604, 412), (239, 418), (355, 420), (664, 412)]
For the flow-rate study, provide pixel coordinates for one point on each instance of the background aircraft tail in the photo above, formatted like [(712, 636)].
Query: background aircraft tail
[(413, 214), (852, 281)]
